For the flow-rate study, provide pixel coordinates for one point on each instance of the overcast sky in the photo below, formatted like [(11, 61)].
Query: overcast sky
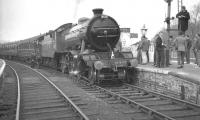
[(20, 19)]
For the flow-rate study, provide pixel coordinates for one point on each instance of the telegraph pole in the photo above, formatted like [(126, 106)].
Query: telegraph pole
[(167, 20)]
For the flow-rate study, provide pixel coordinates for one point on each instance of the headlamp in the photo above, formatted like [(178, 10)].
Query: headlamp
[(98, 65)]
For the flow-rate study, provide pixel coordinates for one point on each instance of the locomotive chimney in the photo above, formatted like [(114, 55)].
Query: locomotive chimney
[(97, 11)]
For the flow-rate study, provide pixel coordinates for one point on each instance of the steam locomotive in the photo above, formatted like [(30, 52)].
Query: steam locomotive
[(87, 49)]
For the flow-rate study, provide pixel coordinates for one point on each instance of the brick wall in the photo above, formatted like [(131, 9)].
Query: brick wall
[(168, 83)]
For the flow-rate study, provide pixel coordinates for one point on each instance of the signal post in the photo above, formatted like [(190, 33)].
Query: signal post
[(167, 20)]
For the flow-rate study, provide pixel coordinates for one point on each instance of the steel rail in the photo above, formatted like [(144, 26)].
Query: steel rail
[(76, 108), (2, 66), (165, 96), (139, 106), (17, 116)]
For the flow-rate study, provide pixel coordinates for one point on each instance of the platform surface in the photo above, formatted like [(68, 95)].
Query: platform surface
[(190, 70)]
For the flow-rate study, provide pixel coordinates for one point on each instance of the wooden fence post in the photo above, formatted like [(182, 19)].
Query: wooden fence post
[(182, 92)]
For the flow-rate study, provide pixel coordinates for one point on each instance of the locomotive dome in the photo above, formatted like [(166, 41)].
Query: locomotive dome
[(82, 20)]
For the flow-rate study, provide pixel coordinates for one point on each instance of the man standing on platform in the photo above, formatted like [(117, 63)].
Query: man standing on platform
[(196, 48), (139, 52), (171, 46), (187, 51), (183, 18), (157, 50), (180, 42), (145, 47)]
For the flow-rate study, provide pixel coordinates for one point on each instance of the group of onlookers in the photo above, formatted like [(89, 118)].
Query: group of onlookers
[(182, 44)]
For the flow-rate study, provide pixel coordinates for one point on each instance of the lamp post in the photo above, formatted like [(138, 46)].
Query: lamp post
[(144, 30)]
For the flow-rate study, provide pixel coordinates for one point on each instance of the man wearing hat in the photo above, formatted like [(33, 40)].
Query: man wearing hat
[(183, 17)]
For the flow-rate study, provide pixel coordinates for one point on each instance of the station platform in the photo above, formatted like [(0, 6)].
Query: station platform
[(190, 70), (181, 83)]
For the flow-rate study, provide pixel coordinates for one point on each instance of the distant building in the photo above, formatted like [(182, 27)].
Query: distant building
[(134, 35), (126, 38)]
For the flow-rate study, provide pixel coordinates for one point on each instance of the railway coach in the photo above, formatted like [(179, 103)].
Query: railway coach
[(26, 50), (8, 50)]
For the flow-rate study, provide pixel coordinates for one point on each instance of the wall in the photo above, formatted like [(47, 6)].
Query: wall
[(173, 84)]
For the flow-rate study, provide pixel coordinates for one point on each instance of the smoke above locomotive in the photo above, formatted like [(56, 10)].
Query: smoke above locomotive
[(100, 33)]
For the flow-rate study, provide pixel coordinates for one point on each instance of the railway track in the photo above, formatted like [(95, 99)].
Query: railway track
[(39, 99), (93, 107), (9, 95), (143, 104), (155, 105)]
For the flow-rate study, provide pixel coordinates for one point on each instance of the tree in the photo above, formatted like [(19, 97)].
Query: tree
[(194, 26)]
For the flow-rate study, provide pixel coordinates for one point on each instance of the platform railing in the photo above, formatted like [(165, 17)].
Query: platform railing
[(2, 67)]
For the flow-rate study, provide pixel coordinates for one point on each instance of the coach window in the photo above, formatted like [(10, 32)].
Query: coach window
[(26, 45), (23, 46), (51, 35)]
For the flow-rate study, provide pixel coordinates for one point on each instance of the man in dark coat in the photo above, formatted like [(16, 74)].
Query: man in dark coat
[(183, 17), (157, 51)]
